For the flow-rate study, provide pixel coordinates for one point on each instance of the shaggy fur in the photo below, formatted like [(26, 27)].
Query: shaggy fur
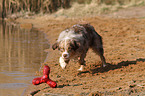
[(74, 43)]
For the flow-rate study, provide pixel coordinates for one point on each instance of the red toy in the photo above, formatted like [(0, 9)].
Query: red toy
[(45, 78)]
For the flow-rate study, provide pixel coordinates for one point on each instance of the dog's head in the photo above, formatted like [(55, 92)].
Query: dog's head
[(67, 47)]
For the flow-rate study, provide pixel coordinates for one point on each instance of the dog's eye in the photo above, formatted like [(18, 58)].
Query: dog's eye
[(61, 49), (69, 48)]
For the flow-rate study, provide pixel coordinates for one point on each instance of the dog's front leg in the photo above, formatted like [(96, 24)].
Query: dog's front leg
[(63, 62), (82, 62), (81, 68)]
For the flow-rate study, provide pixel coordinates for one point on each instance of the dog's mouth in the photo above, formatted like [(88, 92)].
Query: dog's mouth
[(66, 58)]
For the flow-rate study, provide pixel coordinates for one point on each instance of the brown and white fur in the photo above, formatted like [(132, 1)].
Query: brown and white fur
[(74, 43)]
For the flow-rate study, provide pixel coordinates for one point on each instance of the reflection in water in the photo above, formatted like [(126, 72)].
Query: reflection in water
[(21, 52)]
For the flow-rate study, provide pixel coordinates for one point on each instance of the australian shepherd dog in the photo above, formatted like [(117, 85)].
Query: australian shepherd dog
[(74, 42)]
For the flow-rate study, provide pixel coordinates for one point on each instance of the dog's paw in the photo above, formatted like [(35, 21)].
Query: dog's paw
[(81, 68), (62, 63), (104, 65)]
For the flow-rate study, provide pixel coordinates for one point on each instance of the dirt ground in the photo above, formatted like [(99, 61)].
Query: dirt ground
[(124, 46)]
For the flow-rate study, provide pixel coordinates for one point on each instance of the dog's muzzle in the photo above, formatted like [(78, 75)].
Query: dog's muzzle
[(65, 55)]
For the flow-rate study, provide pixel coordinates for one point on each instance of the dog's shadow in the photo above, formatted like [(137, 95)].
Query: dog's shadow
[(61, 86), (112, 67)]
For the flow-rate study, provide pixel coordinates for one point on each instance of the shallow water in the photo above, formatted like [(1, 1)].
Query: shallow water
[(21, 55)]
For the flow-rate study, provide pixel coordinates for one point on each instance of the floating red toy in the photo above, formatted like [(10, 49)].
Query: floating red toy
[(45, 78)]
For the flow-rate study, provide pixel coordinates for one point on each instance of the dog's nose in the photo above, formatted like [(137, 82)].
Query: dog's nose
[(64, 55)]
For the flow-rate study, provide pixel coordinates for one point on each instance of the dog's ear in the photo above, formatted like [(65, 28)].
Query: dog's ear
[(55, 45), (75, 45)]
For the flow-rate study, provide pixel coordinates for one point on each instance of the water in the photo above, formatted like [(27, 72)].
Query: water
[(21, 55)]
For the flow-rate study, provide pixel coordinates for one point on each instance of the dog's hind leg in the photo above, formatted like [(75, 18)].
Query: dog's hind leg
[(97, 47), (99, 51)]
